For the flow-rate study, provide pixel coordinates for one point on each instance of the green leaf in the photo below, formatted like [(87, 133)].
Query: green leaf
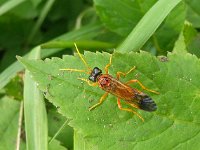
[(173, 24), (180, 46), (55, 123), (9, 110), (176, 120), (86, 32), (188, 40), (40, 20), (25, 10), (193, 12), (147, 25), (9, 5), (14, 88), (124, 15), (80, 43), (36, 2), (191, 39), (34, 112), (55, 145)]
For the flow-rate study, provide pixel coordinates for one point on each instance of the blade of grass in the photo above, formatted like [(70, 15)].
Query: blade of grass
[(46, 9), (9, 5), (60, 129), (19, 126), (9, 73), (147, 26), (87, 32), (81, 44), (34, 111)]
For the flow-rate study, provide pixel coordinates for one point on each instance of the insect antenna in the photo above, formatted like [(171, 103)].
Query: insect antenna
[(88, 71), (83, 60)]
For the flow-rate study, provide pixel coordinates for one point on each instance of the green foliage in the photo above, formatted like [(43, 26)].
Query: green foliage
[(34, 112), (14, 88), (177, 102), (124, 15), (55, 122), (49, 28), (56, 145), (193, 14), (8, 123)]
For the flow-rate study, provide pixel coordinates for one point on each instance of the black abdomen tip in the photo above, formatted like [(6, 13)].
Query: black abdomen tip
[(148, 104)]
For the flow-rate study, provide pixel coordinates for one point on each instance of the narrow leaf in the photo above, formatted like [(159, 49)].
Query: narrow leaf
[(86, 32), (152, 19), (7, 6), (34, 112), (9, 109)]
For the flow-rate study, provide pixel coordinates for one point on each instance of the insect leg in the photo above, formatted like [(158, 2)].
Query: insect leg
[(100, 101), (142, 86), (133, 105), (88, 82), (124, 74), (108, 65), (127, 109)]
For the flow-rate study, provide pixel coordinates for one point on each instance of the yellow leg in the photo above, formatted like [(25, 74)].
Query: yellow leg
[(142, 86), (124, 74), (88, 82), (127, 109), (100, 101), (108, 65)]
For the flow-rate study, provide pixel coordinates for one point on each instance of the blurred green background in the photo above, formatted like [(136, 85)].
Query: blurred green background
[(97, 25)]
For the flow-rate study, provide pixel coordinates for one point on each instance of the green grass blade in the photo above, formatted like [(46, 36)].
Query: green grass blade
[(40, 20), (86, 32), (81, 44), (9, 73), (9, 5), (34, 112), (60, 129), (20, 120), (147, 25)]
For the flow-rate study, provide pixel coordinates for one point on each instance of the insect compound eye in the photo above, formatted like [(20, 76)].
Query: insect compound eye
[(94, 74), (97, 71), (92, 78)]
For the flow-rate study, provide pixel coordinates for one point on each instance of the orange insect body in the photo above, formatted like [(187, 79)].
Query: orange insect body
[(112, 85), (123, 91), (115, 87)]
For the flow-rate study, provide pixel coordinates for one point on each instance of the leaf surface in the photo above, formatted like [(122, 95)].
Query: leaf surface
[(9, 110), (140, 19), (193, 12), (175, 77)]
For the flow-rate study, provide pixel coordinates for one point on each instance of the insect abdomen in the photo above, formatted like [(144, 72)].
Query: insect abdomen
[(145, 102), (148, 104)]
